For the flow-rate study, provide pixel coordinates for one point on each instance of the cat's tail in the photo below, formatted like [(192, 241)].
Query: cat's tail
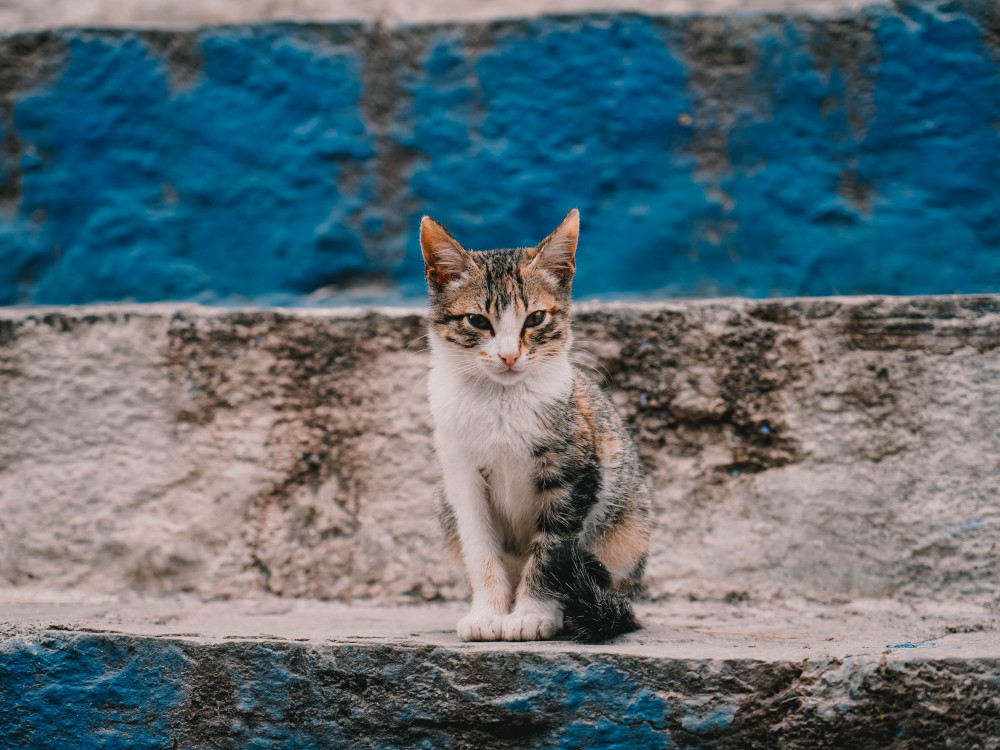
[(580, 583)]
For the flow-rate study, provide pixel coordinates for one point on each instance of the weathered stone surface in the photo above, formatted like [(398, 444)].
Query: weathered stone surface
[(828, 448), (25, 14), (736, 153), (301, 674)]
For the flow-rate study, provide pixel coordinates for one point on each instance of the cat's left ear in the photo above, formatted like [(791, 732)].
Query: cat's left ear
[(557, 252)]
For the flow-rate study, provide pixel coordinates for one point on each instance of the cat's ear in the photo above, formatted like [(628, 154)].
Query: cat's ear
[(444, 258), (557, 252)]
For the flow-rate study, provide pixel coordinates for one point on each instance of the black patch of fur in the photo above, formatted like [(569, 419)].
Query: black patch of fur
[(544, 484), (471, 343), (547, 335), (580, 582)]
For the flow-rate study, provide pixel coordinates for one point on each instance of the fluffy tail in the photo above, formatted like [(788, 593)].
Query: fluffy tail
[(580, 582)]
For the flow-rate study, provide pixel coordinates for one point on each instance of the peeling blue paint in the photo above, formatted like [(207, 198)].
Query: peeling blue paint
[(285, 164)]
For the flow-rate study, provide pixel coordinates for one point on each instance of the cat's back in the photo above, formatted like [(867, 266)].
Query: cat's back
[(597, 429)]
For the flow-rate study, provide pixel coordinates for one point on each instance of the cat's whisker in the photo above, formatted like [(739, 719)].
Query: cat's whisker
[(407, 346), (591, 362)]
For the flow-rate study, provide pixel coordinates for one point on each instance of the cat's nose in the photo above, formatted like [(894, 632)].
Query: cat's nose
[(509, 359)]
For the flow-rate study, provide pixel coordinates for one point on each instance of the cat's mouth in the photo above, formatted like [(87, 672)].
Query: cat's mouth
[(508, 374)]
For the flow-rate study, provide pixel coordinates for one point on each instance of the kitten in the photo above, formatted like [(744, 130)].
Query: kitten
[(543, 497)]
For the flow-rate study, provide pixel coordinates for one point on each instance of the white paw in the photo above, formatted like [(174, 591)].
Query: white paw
[(531, 627), (480, 626)]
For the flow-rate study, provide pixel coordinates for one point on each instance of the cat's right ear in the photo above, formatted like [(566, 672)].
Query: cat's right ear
[(444, 258)]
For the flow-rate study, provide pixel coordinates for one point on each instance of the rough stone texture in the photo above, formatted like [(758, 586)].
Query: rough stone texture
[(741, 153), (825, 448), (30, 14), (295, 674)]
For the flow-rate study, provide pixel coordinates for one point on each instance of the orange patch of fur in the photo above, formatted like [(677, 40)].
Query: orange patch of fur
[(585, 412), (541, 298), (608, 447), (621, 547)]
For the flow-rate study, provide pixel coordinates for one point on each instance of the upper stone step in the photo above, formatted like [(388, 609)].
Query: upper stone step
[(825, 448)]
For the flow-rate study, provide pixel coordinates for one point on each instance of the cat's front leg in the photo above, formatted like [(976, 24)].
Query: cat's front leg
[(481, 552), (536, 616)]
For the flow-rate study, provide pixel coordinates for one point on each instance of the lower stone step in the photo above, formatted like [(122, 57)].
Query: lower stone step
[(175, 673)]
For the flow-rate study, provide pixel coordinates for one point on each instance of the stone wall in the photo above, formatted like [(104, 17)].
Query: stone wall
[(750, 154), (832, 449)]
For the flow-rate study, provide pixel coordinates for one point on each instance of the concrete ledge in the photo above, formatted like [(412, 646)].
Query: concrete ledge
[(300, 674), (828, 448)]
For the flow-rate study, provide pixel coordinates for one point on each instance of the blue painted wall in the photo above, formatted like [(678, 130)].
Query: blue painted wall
[(751, 155)]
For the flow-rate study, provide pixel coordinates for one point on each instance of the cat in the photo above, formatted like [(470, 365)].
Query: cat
[(543, 497)]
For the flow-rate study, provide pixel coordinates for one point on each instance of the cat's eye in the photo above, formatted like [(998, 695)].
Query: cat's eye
[(534, 319), (479, 321)]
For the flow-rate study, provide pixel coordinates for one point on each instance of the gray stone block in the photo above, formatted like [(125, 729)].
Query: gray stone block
[(827, 448)]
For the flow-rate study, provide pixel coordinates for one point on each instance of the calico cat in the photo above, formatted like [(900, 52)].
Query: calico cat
[(543, 497)]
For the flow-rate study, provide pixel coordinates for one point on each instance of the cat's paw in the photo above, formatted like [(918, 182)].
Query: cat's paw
[(531, 627), (481, 626)]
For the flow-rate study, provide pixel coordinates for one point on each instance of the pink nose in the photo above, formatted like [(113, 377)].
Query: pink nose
[(509, 359)]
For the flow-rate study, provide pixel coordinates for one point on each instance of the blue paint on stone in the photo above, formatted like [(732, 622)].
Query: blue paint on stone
[(616, 710), (85, 691), (228, 185), (714, 720), (284, 163), (604, 733), (89, 692)]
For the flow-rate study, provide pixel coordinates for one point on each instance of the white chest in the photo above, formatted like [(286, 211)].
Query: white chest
[(493, 431), (483, 420)]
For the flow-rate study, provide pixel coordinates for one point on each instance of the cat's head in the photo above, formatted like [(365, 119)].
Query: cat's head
[(501, 314)]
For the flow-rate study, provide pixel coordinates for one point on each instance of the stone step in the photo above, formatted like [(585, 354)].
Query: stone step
[(830, 448), (285, 673)]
